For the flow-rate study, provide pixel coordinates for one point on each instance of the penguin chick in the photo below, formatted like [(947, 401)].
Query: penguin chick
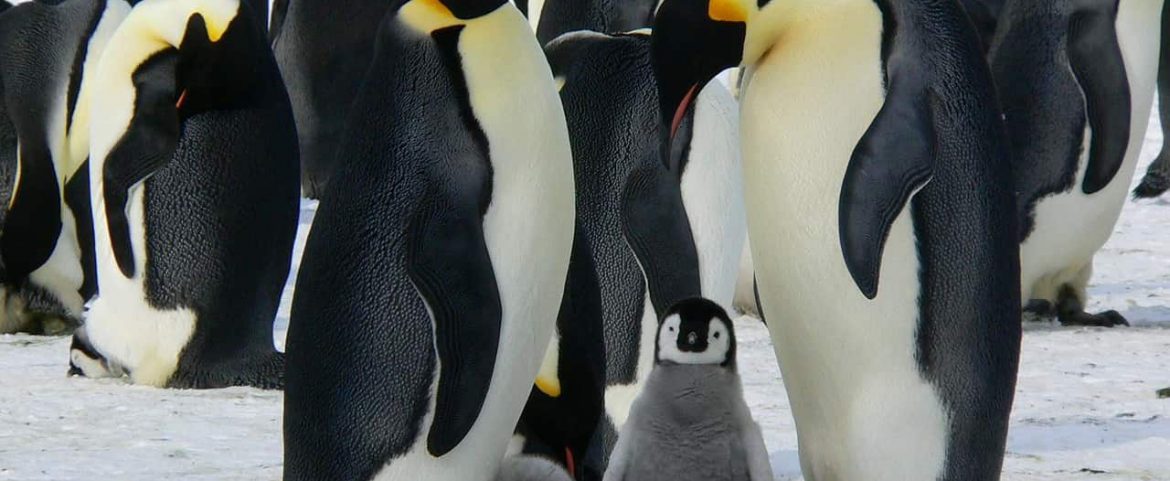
[(691, 422)]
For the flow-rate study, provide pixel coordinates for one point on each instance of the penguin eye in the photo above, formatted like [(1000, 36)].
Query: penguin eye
[(672, 329), (716, 335)]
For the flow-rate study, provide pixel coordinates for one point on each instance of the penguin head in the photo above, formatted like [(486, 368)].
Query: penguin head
[(692, 42), (695, 331)]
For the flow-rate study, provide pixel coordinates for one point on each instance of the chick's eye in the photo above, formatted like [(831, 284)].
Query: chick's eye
[(716, 335), (672, 329)]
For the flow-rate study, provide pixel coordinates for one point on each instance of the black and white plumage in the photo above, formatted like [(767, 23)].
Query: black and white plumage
[(194, 176), (1157, 179), (553, 18), (1076, 79), (691, 421), (879, 193), (46, 49), (438, 257)]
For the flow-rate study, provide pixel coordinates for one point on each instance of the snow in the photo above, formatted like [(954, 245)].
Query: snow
[(1085, 404)]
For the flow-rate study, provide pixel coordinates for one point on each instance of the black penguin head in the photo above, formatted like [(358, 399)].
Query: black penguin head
[(695, 331), (693, 41)]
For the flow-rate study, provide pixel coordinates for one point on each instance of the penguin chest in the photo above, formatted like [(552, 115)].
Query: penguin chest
[(849, 362)]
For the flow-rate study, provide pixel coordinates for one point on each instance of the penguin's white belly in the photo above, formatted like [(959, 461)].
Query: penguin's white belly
[(1070, 227), (862, 408), (712, 192), (61, 274), (122, 325), (528, 229)]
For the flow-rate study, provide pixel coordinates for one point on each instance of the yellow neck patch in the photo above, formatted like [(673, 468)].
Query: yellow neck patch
[(427, 15), (727, 11)]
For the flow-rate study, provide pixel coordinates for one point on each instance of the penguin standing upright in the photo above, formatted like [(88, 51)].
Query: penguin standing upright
[(553, 18), (878, 187), (691, 421), (437, 260), (658, 226), (324, 48), (46, 245), (194, 176), (1076, 81), (1157, 178)]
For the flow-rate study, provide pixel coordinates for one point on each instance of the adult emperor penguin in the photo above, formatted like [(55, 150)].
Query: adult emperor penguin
[(194, 173), (1076, 81), (436, 264), (46, 245), (878, 188), (553, 18), (658, 226), (691, 421), (1157, 178), (324, 48)]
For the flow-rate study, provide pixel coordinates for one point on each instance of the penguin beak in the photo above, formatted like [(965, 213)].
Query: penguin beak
[(692, 42)]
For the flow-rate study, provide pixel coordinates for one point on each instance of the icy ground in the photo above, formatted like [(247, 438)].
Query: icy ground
[(1085, 405)]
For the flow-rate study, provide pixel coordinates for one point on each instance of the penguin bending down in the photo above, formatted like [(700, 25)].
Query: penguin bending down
[(46, 264), (1157, 178), (878, 189), (658, 226), (691, 421), (1075, 158), (324, 48), (193, 169), (553, 18), (438, 257)]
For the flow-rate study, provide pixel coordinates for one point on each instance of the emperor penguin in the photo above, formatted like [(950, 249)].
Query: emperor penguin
[(1076, 79), (194, 189), (324, 48), (553, 18), (438, 257), (46, 264), (879, 199), (1157, 178), (531, 468), (659, 226), (691, 421)]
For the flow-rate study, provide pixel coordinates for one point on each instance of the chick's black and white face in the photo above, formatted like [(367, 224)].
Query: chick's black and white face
[(693, 341)]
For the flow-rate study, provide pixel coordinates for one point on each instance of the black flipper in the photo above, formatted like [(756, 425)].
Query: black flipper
[(891, 162), (656, 227), (1095, 57), (448, 262), (147, 145)]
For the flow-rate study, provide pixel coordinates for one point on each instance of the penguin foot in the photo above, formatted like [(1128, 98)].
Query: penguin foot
[(1155, 183), (1039, 310), (1104, 319)]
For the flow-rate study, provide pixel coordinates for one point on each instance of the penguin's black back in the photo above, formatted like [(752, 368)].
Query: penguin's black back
[(221, 218), (969, 324), (361, 345), (559, 17), (324, 48)]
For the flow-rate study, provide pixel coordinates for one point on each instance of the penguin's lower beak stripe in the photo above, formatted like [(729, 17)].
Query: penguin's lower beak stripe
[(182, 98), (682, 109)]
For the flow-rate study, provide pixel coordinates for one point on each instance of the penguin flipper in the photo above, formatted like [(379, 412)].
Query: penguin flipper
[(148, 143), (618, 458), (656, 227), (1095, 57), (759, 467), (449, 264), (892, 161)]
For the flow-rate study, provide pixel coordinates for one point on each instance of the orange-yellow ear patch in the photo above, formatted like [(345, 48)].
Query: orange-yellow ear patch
[(436, 7), (726, 11)]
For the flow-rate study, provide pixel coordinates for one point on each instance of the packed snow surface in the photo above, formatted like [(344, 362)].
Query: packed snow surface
[(1086, 404)]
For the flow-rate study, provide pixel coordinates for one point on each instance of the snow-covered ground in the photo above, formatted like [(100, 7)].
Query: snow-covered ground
[(1085, 405)]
